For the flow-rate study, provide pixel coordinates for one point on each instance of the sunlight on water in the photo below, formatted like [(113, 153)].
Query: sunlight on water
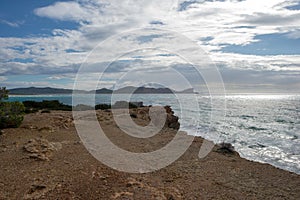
[(260, 96)]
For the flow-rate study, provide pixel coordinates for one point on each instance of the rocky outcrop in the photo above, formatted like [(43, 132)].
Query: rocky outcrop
[(41, 149), (226, 148), (157, 113), (172, 120)]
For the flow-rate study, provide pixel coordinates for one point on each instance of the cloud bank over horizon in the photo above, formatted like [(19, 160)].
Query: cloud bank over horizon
[(255, 44)]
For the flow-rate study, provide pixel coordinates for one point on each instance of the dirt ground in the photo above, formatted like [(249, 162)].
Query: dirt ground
[(45, 159)]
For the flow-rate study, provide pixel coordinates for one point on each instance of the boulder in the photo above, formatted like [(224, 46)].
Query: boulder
[(226, 148), (41, 149), (172, 120)]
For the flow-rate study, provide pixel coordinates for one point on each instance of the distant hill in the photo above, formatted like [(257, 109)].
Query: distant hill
[(186, 91), (37, 91), (129, 89), (103, 91), (143, 90)]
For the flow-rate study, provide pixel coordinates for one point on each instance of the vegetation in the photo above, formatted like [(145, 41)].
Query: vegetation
[(3, 93), (34, 106), (11, 113), (124, 104), (102, 106)]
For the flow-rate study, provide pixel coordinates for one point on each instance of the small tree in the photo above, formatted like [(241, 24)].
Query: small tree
[(3, 93), (11, 113)]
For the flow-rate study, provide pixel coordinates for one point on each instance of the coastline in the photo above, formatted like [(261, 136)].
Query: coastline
[(244, 121), (69, 171)]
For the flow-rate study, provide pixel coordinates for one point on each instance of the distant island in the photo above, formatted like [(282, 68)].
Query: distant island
[(124, 90)]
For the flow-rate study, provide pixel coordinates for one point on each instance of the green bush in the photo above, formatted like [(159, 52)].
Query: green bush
[(11, 114), (49, 105), (45, 111), (102, 106), (3, 93)]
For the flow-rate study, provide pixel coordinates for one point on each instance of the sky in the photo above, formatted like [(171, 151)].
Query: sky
[(254, 45)]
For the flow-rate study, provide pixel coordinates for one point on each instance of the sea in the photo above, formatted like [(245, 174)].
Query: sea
[(263, 128)]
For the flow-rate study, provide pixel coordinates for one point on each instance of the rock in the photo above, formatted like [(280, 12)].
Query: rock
[(50, 129), (226, 148), (137, 103), (3, 148), (1, 132), (154, 113), (133, 115), (30, 127), (67, 123), (37, 191), (126, 104), (122, 195), (45, 111), (172, 193), (169, 110), (41, 149), (172, 120)]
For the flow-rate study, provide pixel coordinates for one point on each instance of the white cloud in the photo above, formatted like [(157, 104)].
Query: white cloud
[(63, 11), (294, 34), (223, 22), (3, 78), (258, 63), (12, 24)]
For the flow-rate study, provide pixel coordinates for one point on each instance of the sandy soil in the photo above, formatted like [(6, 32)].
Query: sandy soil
[(45, 159)]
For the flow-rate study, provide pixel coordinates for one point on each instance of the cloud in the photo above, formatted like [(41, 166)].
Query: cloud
[(211, 24), (17, 84), (294, 34), (3, 78), (275, 19), (12, 24), (67, 11), (228, 22)]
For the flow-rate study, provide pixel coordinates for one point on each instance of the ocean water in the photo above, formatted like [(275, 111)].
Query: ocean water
[(263, 128)]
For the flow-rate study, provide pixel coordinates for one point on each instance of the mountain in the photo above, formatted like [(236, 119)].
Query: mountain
[(143, 90), (36, 91), (124, 90), (103, 91)]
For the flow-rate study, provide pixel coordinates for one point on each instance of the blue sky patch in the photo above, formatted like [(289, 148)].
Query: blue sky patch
[(24, 23), (270, 44), (294, 7), (148, 38), (157, 23), (22, 60)]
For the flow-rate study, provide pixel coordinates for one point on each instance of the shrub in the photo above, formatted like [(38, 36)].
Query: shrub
[(124, 104), (45, 111), (102, 107), (3, 93), (31, 110), (49, 105), (11, 114)]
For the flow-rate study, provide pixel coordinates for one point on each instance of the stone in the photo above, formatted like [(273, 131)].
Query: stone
[(226, 148), (41, 149), (172, 120)]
